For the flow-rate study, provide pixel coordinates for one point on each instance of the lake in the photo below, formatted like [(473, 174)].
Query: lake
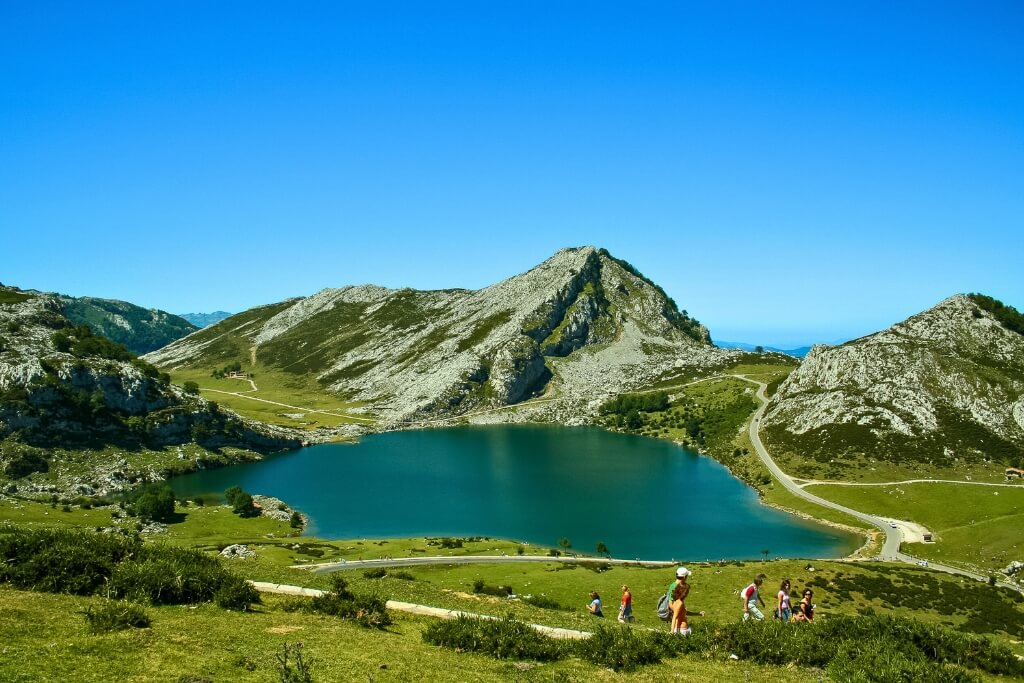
[(642, 497)]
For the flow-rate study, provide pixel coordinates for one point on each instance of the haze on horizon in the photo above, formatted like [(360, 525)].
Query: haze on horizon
[(787, 174)]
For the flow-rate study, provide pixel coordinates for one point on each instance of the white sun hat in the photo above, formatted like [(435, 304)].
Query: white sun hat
[(682, 573)]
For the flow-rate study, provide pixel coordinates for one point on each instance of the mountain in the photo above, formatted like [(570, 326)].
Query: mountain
[(945, 386), (580, 326), (140, 329), (799, 352), (205, 319), (65, 388)]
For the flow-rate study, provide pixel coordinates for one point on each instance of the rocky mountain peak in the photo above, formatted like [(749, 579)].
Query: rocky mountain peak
[(449, 351), (945, 383)]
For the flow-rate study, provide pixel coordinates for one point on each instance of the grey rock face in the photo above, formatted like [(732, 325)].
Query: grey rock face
[(578, 325), (951, 371)]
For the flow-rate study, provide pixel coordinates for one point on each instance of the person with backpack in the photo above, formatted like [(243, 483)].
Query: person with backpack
[(677, 592), (751, 597)]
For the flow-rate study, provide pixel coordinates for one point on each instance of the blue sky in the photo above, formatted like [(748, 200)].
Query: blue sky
[(789, 172)]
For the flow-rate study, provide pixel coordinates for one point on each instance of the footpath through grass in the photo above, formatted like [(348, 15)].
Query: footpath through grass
[(313, 407)]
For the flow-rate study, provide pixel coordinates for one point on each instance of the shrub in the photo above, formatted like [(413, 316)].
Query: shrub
[(498, 591), (169, 575), (62, 561), (543, 602), (291, 666), (623, 649), (375, 573), (403, 575), (503, 638), (25, 463), (116, 615), (236, 593), (367, 611), (879, 660)]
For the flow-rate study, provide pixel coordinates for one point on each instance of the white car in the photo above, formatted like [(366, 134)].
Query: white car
[(892, 524), (922, 563)]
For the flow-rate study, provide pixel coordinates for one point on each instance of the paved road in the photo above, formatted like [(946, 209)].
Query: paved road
[(471, 559), (893, 536)]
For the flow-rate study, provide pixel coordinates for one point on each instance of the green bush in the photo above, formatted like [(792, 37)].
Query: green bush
[(375, 573), (497, 591), (621, 648), (116, 615), (878, 660), (236, 593), (25, 463), (62, 561), (503, 638), (543, 602), (339, 601)]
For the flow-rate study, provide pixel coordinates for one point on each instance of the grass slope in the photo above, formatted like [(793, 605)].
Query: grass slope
[(974, 526), (205, 642)]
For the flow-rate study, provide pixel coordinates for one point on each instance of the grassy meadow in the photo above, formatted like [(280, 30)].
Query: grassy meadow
[(313, 407), (46, 636), (978, 527)]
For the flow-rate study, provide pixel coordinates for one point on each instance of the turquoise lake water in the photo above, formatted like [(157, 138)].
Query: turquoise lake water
[(640, 496)]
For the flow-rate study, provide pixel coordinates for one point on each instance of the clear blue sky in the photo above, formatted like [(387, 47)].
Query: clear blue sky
[(787, 171)]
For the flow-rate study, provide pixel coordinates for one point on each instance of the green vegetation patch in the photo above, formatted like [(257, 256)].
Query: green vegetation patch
[(9, 296), (1008, 316), (486, 326)]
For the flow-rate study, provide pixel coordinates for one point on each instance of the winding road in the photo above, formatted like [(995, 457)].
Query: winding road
[(893, 529)]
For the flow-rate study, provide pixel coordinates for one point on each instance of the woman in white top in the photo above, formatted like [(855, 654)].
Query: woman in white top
[(783, 610)]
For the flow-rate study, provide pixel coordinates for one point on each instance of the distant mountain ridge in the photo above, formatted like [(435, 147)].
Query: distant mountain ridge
[(201, 320), (579, 326), (141, 330), (799, 352), (943, 386)]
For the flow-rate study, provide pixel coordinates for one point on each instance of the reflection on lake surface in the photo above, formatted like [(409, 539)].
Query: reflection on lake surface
[(640, 496)]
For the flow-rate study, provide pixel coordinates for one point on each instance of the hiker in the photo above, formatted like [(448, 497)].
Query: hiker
[(783, 610), (595, 605), (626, 606), (805, 609), (751, 596), (678, 590)]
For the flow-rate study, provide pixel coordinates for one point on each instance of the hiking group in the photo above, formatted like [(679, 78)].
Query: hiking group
[(672, 605), (751, 596)]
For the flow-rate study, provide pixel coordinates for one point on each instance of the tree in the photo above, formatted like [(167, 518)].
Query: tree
[(296, 520), (156, 502), (243, 506), (602, 549), (232, 493), (765, 551), (564, 544), (758, 349), (191, 387)]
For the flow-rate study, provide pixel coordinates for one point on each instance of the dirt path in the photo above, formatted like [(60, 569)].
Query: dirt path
[(423, 610), (285, 405)]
